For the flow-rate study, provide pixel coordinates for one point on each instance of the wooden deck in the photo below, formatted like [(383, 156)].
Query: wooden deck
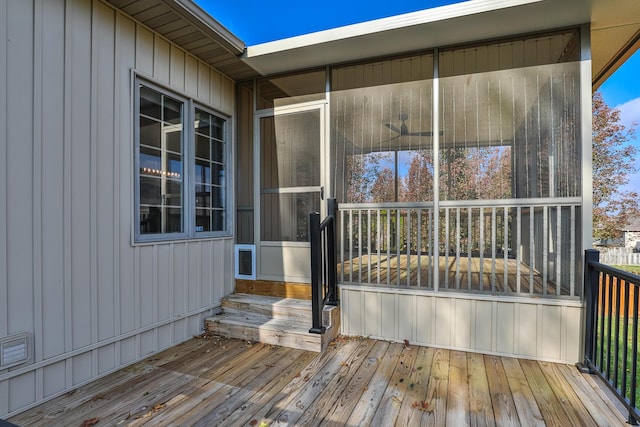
[(472, 273), (219, 381)]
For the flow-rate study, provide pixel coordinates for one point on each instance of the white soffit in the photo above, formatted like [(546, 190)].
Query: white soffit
[(447, 25)]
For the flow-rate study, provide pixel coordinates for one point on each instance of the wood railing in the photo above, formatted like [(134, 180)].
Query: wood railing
[(611, 330), (524, 246), (322, 236)]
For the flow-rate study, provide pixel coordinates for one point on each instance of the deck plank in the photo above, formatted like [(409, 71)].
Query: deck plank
[(550, 406), (413, 403), (320, 407), (480, 406), (458, 390), (437, 390), (389, 407), (572, 405), (504, 410), (347, 400), (528, 411), (369, 400), (355, 382)]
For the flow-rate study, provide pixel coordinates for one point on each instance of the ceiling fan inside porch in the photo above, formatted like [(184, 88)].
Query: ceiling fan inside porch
[(404, 129)]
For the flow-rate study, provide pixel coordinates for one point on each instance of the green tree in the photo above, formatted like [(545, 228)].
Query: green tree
[(613, 160)]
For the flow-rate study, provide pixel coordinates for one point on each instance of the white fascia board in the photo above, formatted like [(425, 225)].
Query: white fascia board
[(426, 16)]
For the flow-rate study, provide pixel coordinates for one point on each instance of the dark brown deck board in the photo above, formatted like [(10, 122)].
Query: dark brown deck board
[(355, 382)]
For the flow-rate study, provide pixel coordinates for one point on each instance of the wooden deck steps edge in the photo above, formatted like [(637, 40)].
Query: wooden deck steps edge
[(276, 307), (272, 320)]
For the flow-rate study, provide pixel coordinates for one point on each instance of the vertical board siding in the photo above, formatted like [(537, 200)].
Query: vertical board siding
[(69, 273), (520, 327)]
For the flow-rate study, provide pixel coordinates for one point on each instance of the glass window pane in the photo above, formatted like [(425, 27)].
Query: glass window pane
[(150, 103), (217, 174), (150, 191), (217, 220), (217, 149), (217, 128), (202, 124), (150, 161), (203, 147), (217, 194), (172, 111), (202, 172), (203, 196), (150, 132), (173, 136), (173, 194), (203, 220), (173, 220), (160, 180), (209, 168)]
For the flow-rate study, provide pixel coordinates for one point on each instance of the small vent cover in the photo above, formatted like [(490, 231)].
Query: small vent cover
[(14, 350)]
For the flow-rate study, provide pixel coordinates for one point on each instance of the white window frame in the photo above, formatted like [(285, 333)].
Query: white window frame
[(188, 167)]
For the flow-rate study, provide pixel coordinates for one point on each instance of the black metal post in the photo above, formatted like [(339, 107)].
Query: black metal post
[(316, 273), (332, 274), (591, 277)]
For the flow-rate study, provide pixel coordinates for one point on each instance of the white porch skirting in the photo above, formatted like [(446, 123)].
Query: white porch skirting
[(533, 328)]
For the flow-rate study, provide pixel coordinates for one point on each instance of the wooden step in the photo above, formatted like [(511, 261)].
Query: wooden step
[(253, 327), (274, 289), (274, 307), (272, 320)]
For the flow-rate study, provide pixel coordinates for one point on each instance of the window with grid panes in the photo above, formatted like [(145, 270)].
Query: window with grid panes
[(181, 185)]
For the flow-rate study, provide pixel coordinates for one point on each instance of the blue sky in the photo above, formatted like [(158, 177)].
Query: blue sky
[(259, 21)]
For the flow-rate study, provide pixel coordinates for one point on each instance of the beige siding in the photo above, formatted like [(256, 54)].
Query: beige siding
[(521, 327), (69, 274)]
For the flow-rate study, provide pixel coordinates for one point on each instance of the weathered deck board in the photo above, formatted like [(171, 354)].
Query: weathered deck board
[(355, 382)]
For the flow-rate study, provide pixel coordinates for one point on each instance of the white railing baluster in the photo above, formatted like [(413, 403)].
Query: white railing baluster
[(431, 254), (545, 249), (446, 248), (408, 247), (572, 255), (351, 245), (469, 245), (388, 246), (481, 248), (378, 212), (369, 246), (419, 241), (532, 254), (457, 248), (518, 249), (505, 249), (398, 230), (360, 245), (493, 248), (558, 254), (342, 224)]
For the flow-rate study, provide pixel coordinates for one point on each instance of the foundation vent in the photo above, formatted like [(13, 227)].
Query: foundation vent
[(14, 350)]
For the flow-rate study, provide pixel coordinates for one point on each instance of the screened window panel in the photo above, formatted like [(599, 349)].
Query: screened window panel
[(383, 142), (510, 134), (290, 150), (285, 217)]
